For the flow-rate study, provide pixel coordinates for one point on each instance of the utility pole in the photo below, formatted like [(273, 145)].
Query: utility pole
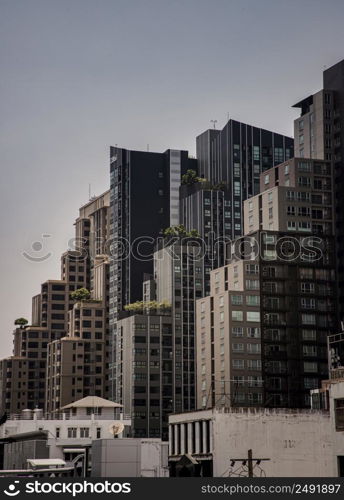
[(249, 461)]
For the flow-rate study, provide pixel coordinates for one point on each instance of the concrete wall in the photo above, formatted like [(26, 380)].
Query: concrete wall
[(129, 458), (299, 444), (16, 454)]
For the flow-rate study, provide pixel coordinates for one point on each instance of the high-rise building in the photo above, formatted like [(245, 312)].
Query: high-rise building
[(235, 156), (76, 363), (319, 133), (144, 200), (261, 334), (145, 371), (208, 212), (155, 347), (295, 196), (33, 379)]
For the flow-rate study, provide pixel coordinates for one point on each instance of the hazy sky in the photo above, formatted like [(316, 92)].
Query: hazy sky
[(79, 75)]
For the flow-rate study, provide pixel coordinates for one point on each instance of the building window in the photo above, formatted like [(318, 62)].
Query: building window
[(291, 225), (253, 316), (253, 348), (255, 397), (307, 287), (308, 303), (71, 432), (310, 366), (99, 432), (254, 364), (237, 300), (238, 364), (252, 300), (309, 335), (237, 315), (310, 350), (308, 319), (253, 333), (95, 411), (252, 284), (57, 432), (267, 179), (237, 331), (339, 414), (254, 381), (252, 268), (238, 347), (84, 432)]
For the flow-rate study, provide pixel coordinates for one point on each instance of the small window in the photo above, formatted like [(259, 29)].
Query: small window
[(339, 414)]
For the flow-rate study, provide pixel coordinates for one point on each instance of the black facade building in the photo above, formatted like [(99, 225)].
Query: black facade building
[(334, 83), (208, 211), (235, 156), (144, 200)]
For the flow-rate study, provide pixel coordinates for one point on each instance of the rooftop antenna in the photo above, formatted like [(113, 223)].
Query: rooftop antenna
[(147, 147), (89, 191), (214, 123)]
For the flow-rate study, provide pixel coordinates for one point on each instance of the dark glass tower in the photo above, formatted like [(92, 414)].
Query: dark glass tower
[(235, 156), (144, 200)]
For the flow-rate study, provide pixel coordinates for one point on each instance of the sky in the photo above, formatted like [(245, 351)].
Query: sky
[(77, 76)]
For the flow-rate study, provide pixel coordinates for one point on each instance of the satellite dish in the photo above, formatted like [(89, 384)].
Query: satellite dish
[(116, 428)]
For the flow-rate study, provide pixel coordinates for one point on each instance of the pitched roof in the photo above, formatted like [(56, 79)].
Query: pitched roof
[(92, 402)]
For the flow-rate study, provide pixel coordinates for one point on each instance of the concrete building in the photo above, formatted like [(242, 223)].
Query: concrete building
[(70, 433), (261, 334), (76, 362), (319, 134), (155, 344), (298, 443), (145, 372), (295, 196), (130, 458), (23, 375), (265, 324)]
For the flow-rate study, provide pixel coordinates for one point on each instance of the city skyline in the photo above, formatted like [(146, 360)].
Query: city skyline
[(65, 101)]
